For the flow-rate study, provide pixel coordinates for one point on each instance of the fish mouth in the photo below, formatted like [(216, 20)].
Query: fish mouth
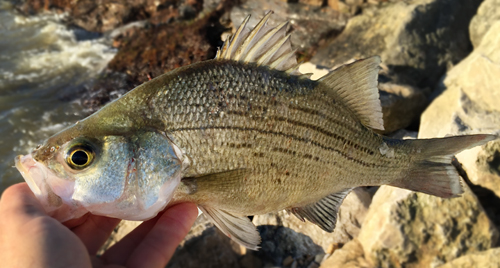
[(31, 171), (49, 189)]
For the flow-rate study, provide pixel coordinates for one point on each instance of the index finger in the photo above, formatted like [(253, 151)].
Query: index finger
[(158, 246), (19, 204)]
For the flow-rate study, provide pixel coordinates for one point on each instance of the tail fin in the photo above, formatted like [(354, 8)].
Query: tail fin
[(432, 171)]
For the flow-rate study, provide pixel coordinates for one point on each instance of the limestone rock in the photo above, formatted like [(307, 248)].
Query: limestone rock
[(401, 104), (484, 259), (487, 14), (470, 104), (408, 229), (351, 255), (351, 216), (416, 39)]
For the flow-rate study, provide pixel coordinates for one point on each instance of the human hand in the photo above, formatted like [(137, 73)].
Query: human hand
[(31, 238)]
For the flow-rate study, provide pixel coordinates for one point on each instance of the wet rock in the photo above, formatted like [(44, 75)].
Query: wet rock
[(487, 14), (351, 255), (417, 40), (484, 259), (309, 24), (152, 50), (468, 105), (351, 216), (105, 15), (408, 229)]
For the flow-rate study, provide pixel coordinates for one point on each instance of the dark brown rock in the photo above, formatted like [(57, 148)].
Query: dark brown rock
[(106, 15)]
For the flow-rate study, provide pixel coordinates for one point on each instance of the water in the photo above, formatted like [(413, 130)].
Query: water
[(43, 68)]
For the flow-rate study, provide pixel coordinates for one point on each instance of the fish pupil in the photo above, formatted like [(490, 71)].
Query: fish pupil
[(80, 158)]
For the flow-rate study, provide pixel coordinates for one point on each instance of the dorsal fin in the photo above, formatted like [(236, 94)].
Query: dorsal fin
[(263, 45), (356, 85)]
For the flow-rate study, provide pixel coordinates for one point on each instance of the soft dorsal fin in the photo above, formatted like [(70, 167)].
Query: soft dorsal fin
[(356, 85), (263, 45), (324, 212)]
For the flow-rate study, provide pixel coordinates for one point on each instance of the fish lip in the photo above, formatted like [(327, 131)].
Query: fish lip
[(25, 165)]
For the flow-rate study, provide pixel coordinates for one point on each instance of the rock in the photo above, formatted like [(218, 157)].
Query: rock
[(351, 216), (249, 260), (339, 6), (351, 255), (309, 24), (408, 229), (417, 40), (484, 259), (205, 246), (487, 14), (469, 104), (279, 242), (105, 15), (401, 105), (147, 52), (312, 2)]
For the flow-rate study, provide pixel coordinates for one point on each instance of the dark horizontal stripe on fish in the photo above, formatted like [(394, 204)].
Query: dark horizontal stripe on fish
[(363, 163), (330, 119), (312, 127), (274, 102)]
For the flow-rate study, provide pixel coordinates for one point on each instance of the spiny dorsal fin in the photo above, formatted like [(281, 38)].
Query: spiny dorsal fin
[(324, 212), (239, 228), (263, 45), (356, 85)]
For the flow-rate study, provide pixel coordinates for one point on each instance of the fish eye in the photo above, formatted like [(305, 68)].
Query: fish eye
[(80, 156)]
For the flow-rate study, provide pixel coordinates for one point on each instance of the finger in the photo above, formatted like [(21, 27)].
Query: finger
[(94, 231), (177, 218), (73, 223), (120, 252), (18, 204), (160, 243)]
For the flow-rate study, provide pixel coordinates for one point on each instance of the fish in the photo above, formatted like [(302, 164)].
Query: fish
[(242, 134)]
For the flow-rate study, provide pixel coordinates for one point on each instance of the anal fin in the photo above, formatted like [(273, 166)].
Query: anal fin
[(239, 228), (324, 212)]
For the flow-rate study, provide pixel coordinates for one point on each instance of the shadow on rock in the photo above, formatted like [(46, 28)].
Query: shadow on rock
[(278, 243)]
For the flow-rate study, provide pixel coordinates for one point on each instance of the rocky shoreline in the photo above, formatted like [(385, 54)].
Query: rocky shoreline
[(439, 77)]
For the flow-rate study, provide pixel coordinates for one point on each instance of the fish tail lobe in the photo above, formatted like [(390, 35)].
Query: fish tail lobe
[(431, 171)]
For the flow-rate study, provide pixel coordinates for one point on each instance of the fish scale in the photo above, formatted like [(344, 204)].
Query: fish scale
[(239, 135), (289, 122)]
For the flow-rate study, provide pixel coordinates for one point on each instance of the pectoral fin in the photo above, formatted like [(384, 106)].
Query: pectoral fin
[(324, 212), (239, 228)]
